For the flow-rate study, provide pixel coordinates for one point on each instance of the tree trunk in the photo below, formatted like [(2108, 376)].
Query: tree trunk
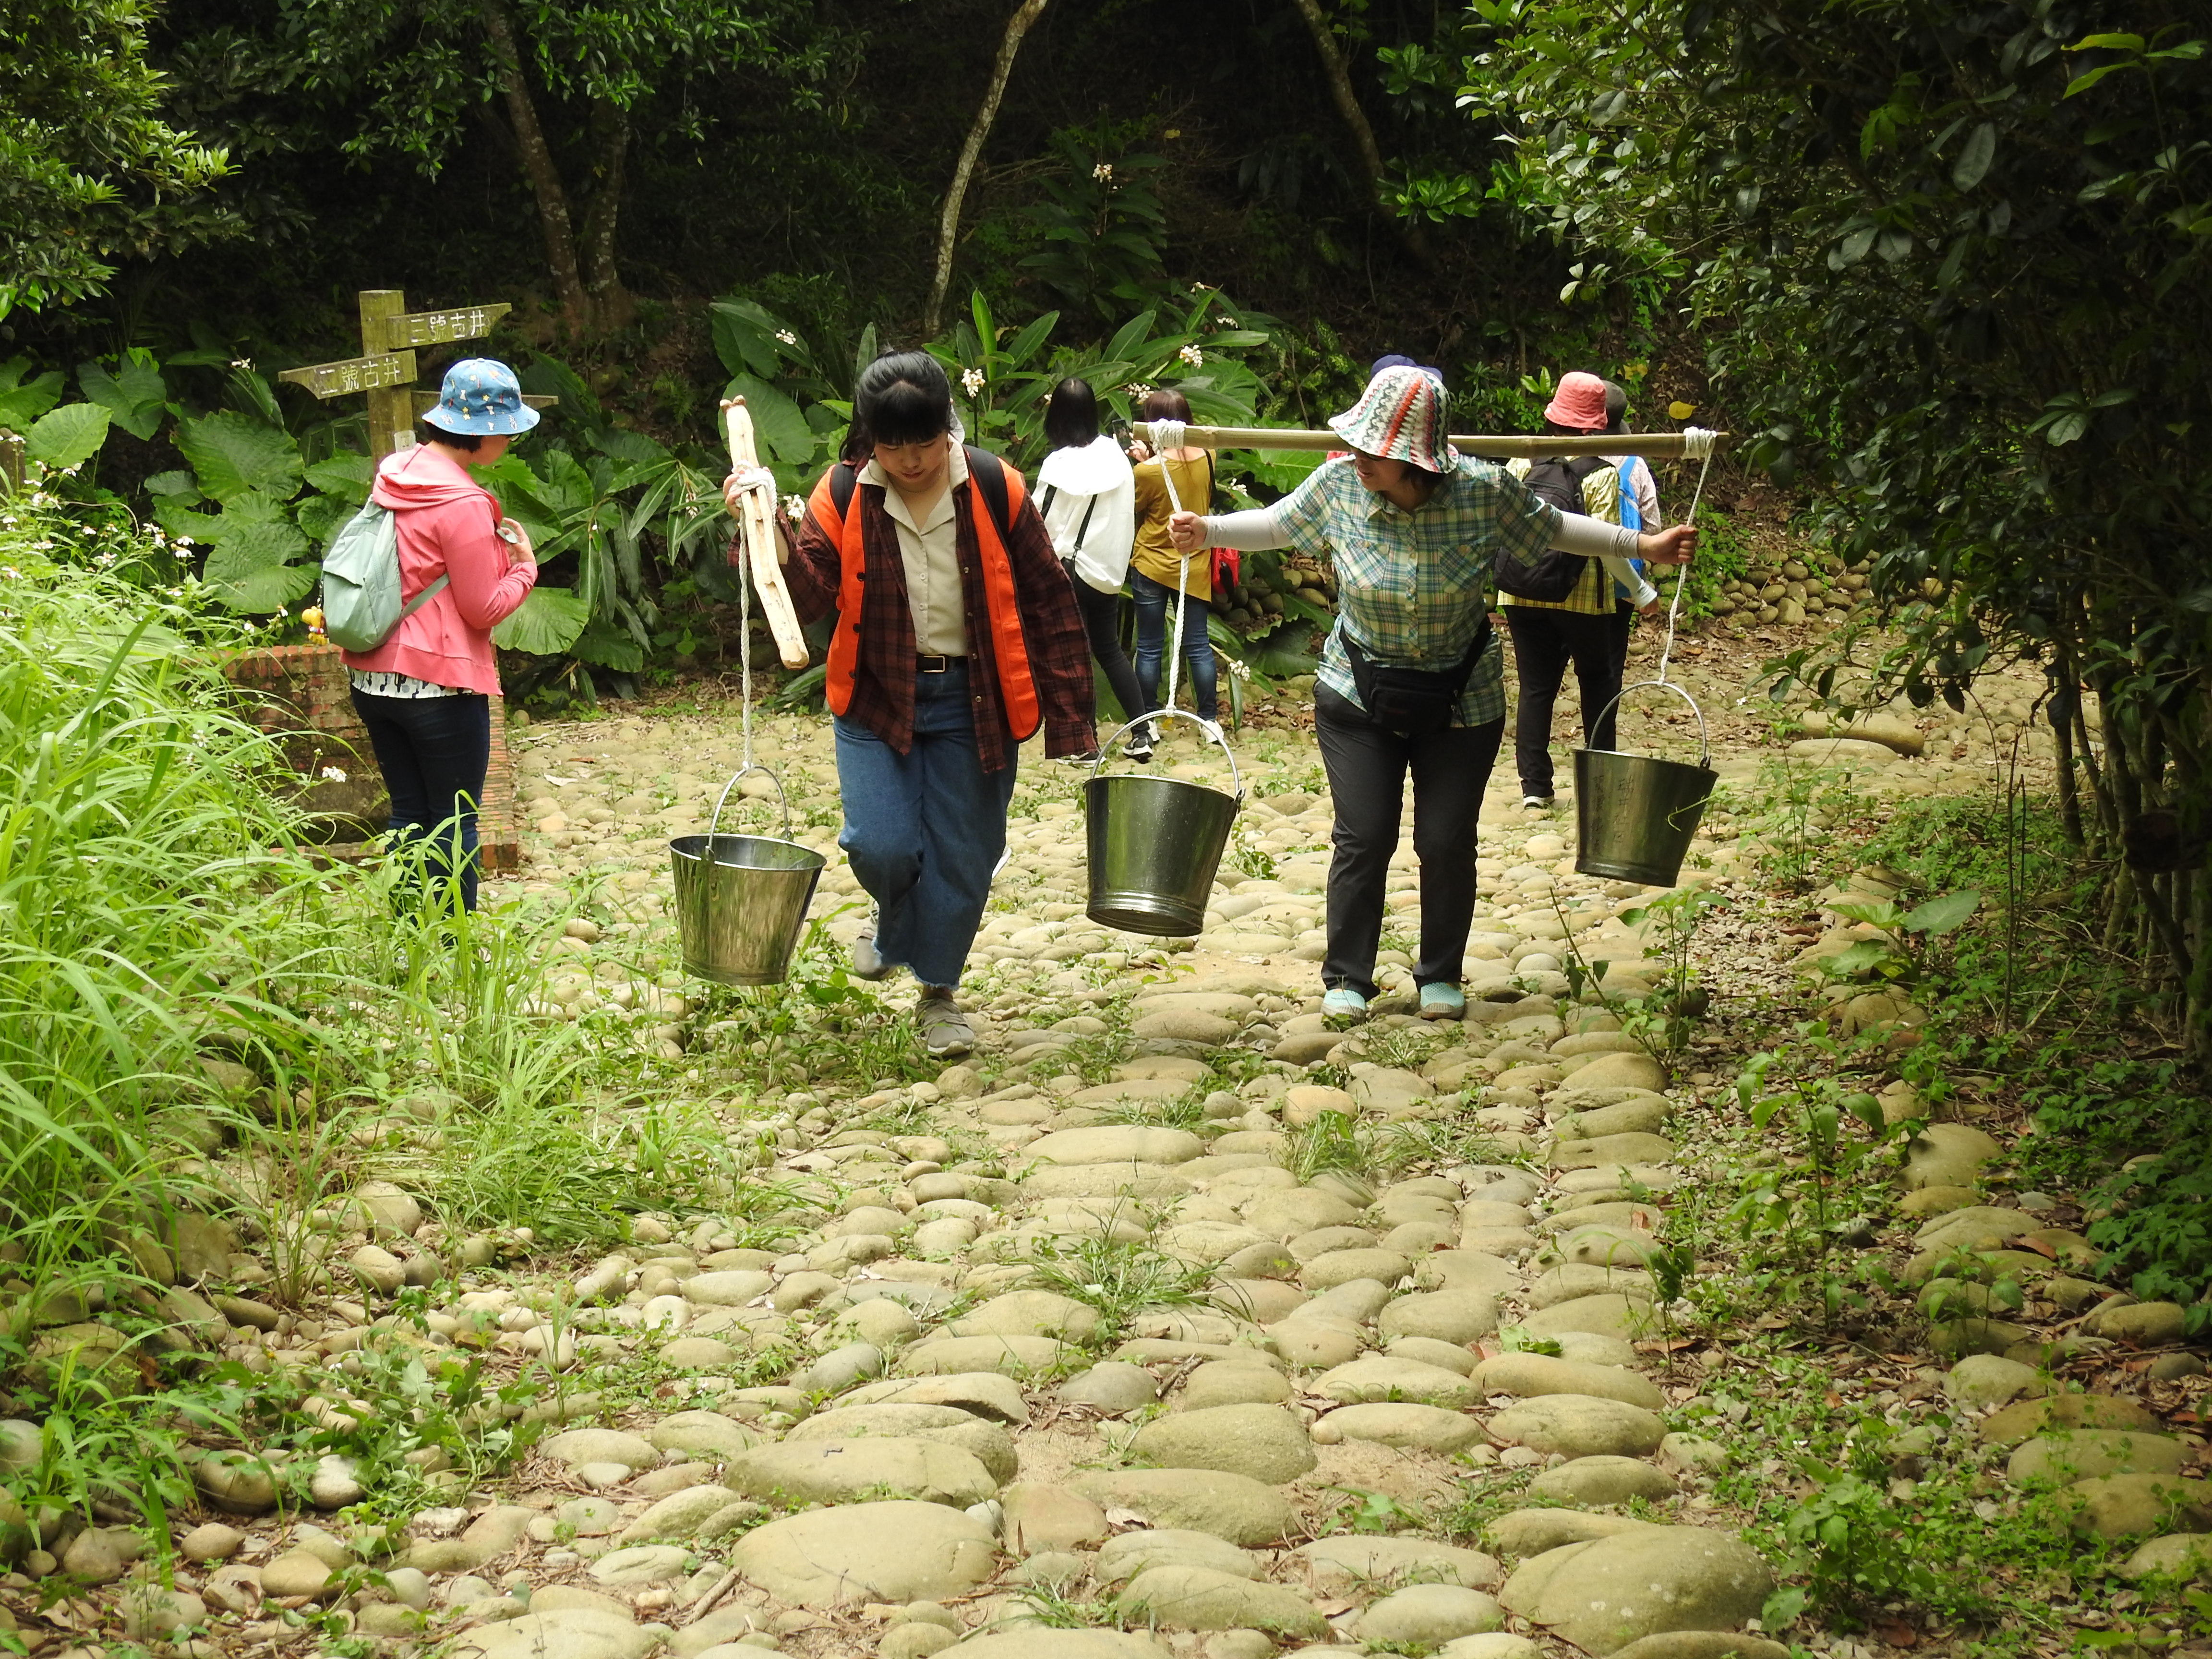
[(948, 229), (553, 221), (1409, 234), (611, 305)]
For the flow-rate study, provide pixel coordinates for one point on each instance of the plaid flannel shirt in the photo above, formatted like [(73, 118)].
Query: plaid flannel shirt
[(883, 678), (1413, 589)]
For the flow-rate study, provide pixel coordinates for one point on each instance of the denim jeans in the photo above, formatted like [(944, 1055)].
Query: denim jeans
[(1367, 765), (924, 830), (433, 752), (1543, 643), (1156, 603)]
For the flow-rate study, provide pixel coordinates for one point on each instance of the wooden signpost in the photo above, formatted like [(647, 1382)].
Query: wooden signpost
[(385, 369)]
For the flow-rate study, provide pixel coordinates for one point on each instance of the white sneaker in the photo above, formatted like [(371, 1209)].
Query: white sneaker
[(1537, 803)]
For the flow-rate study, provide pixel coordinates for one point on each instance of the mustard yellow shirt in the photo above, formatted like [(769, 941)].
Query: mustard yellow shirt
[(1154, 554)]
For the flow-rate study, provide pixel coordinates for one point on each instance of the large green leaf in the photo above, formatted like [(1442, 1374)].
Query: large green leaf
[(71, 434), (22, 401), (134, 395), (254, 543), (1943, 912), (745, 336), (232, 453), (546, 624), (321, 516), (258, 591), (778, 427), (609, 647), (348, 473)]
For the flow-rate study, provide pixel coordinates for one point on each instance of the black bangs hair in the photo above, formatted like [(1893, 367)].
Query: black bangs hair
[(1071, 415), (902, 398)]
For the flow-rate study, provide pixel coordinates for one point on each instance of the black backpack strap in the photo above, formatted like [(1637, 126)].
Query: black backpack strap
[(1083, 529), (989, 474), (844, 479)]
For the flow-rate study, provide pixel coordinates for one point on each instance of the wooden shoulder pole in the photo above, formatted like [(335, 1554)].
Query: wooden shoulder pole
[(1652, 446), (758, 521)]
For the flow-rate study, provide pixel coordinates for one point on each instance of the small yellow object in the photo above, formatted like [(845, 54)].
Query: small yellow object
[(1678, 410), (312, 617)]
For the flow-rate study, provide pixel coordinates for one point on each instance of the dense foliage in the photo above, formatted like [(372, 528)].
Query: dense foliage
[(1952, 262)]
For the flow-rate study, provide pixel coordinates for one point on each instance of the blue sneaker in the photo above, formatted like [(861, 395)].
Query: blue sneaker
[(1442, 1001), (1344, 1004)]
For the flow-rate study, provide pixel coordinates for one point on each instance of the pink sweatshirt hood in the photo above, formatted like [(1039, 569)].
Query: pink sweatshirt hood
[(423, 476)]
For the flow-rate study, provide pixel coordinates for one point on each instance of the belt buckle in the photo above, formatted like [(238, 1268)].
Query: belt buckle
[(931, 663)]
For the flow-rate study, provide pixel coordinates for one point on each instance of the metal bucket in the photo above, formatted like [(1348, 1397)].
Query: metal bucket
[(1155, 843), (1635, 814), (741, 901)]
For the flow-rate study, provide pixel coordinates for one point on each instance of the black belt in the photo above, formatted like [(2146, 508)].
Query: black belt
[(930, 663)]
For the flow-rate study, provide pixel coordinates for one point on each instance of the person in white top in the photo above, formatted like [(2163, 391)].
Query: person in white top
[(1087, 493)]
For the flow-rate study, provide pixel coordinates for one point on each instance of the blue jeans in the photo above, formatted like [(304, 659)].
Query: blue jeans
[(1155, 604), (924, 830), (434, 753)]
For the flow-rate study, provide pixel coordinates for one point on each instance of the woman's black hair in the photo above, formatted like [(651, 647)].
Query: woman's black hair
[(467, 442), (1165, 404), (902, 398), (1071, 414)]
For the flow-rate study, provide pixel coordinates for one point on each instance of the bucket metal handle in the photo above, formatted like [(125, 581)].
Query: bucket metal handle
[(1705, 741), (714, 825), (1212, 731)]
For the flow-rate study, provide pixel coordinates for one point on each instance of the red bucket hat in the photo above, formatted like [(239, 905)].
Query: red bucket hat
[(1579, 402)]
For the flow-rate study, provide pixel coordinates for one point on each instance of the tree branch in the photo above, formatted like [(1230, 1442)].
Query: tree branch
[(536, 156), (1409, 234), (948, 229), (610, 299)]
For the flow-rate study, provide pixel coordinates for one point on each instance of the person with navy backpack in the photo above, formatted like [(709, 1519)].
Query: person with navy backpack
[(424, 690), (1588, 625)]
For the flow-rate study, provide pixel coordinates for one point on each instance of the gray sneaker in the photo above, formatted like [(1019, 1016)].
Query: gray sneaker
[(866, 962), (945, 1032)]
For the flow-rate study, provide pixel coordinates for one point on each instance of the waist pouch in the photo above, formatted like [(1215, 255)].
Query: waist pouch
[(1414, 702)]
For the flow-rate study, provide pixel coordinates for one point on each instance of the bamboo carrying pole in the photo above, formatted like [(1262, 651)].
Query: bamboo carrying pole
[(757, 519), (1650, 445)]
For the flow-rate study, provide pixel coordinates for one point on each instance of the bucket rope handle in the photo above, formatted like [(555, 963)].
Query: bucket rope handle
[(1704, 741), (1212, 731), (1698, 445), (1166, 435), (746, 711)]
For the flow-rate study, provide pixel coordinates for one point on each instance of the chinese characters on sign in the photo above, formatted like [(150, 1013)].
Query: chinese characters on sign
[(385, 371)]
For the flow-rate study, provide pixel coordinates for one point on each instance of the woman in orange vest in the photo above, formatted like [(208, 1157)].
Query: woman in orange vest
[(957, 640)]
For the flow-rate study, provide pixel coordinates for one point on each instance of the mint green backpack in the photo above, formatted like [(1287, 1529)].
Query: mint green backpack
[(360, 581)]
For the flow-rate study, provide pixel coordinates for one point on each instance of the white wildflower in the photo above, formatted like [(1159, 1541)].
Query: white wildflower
[(1138, 389), (787, 336), (11, 572), (1192, 355), (973, 379), (1104, 172), (246, 363), (334, 775), (1241, 669)]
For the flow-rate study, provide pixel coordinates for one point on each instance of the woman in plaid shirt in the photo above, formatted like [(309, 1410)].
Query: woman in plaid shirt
[(1416, 529), (925, 740)]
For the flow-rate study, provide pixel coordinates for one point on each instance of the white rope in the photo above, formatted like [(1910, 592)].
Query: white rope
[(1166, 435), (746, 633), (1696, 446)]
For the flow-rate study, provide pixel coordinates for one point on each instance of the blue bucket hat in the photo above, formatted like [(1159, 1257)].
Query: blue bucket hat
[(480, 395)]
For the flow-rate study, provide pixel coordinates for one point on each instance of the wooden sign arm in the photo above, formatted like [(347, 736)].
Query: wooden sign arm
[(1651, 445), (756, 523)]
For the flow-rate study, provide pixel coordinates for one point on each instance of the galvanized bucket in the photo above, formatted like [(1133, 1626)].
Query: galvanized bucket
[(1635, 814), (1155, 843), (741, 900)]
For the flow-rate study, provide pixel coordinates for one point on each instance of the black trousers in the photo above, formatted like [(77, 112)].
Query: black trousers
[(434, 753), (1102, 625), (1367, 765), (1544, 642)]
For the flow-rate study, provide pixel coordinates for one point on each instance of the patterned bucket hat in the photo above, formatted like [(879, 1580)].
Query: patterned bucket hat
[(480, 395), (1400, 416)]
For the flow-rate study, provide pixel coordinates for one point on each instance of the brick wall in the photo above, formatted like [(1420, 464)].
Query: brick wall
[(300, 696)]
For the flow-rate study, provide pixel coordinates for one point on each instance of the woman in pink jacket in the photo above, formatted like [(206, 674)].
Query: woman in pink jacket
[(425, 693)]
